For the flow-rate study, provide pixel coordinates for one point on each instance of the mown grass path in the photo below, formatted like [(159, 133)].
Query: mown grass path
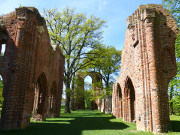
[(85, 122)]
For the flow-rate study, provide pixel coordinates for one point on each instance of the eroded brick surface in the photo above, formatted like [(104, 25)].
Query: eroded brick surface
[(79, 102), (31, 68), (148, 64)]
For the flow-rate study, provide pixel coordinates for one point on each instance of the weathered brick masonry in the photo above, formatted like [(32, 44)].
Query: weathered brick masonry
[(148, 64), (79, 102), (31, 68)]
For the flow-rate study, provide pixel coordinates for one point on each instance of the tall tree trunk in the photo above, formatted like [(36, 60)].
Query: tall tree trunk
[(68, 93), (72, 97), (170, 98), (107, 89), (107, 84)]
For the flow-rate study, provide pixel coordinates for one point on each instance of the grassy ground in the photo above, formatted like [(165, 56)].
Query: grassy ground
[(86, 123)]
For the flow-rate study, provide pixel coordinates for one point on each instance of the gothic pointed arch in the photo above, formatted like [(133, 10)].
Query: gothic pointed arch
[(119, 101), (129, 101), (52, 99), (39, 111)]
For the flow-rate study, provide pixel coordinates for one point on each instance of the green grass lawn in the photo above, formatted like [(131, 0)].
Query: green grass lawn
[(86, 122)]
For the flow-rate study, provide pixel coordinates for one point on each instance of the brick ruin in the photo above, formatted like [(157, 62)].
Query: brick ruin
[(102, 103), (148, 64), (79, 102), (106, 104), (32, 69)]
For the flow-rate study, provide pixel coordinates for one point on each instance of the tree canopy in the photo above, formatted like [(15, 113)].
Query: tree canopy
[(107, 62), (76, 34)]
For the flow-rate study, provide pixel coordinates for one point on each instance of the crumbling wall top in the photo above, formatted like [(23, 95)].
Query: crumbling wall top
[(150, 11)]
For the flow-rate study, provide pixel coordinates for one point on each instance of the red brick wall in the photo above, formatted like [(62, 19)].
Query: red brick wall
[(28, 55), (79, 102), (148, 59)]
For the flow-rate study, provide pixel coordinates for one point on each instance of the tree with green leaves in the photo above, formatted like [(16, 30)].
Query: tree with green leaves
[(76, 34), (174, 7), (174, 86), (106, 61)]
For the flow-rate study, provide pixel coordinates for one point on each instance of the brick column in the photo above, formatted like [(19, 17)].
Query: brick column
[(149, 28)]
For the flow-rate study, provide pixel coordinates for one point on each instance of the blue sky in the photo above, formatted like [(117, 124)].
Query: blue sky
[(114, 12)]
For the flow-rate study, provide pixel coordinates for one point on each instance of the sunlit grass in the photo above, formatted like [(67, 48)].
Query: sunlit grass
[(86, 122)]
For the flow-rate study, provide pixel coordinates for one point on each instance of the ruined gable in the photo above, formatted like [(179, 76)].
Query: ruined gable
[(32, 70), (148, 64)]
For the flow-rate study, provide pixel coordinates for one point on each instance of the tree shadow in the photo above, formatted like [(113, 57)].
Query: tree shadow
[(175, 126), (69, 127)]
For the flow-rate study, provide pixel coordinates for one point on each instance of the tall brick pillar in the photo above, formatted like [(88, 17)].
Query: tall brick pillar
[(149, 27), (148, 59)]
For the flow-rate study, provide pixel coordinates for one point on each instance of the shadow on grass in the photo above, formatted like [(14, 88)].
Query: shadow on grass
[(175, 125), (73, 126)]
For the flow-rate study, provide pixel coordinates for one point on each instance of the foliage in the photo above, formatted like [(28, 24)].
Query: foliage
[(107, 62), (176, 104), (88, 98), (174, 7), (86, 91), (174, 86), (1, 91), (76, 34)]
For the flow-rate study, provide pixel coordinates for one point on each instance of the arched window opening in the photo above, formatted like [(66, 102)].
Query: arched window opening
[(173, 96), (119, 92), (3, 40), (87, 83), (2, 49), (40, 98), (52, 96), (1, 93), (119, 101), (129, 101), (88, 92), (51, 101)]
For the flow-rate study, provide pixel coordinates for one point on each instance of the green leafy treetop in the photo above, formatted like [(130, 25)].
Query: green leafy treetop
[(105, 60), (76, 34)]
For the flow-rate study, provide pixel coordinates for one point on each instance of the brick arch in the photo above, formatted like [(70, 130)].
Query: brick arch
[(52, 100), (129, 101), (96, 88), (3, 36), (40, 98), (119, 101), (3, 39)]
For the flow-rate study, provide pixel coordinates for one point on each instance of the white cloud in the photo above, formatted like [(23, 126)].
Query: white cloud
[(102, 4)]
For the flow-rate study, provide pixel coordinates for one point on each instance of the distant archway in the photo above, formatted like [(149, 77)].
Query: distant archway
[(88, 92), (39, 111), (129, 101), (2, 49), (96, 90), (52, 99)]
